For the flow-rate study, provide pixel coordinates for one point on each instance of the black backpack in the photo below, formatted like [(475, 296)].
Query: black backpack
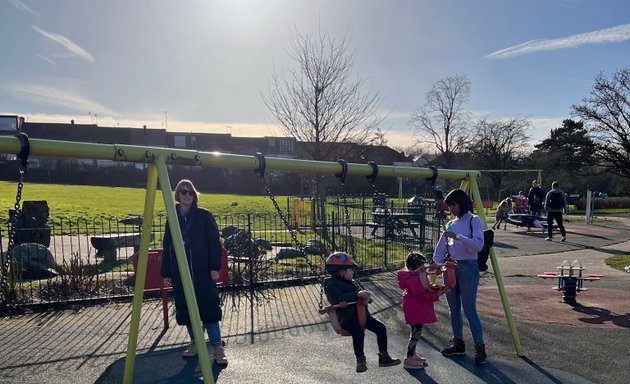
[(488, 242), (556, 200)]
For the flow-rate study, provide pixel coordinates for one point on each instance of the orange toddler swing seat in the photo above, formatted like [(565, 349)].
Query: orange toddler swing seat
[(331, 312), (447, 270)]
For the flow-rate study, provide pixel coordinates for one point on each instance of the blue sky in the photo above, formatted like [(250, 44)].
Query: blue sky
[(204, 65)]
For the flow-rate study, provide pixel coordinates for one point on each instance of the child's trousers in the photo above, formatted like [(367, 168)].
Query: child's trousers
[(358, 334)]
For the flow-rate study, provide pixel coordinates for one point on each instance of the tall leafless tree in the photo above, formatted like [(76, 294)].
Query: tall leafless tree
[(606, 114), (442, 122), (499, 145), (320, 103)]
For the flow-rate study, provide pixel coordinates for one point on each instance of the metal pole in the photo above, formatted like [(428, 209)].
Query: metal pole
[(474, 189), (143, 154), (141, 273)]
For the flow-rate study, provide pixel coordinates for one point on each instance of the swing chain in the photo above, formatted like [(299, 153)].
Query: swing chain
[(344, 200), (260, 171), (22, 163)]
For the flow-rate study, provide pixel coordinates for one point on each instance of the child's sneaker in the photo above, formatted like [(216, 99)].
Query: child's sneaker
[(419, 358), (190, 350), (384, 360), (413, 363), (219, 356), (361, 364)]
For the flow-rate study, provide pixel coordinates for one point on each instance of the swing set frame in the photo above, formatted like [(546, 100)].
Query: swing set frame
[(158, 160)]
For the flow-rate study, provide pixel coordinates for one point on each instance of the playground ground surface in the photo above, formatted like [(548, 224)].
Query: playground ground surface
[(287, 341)]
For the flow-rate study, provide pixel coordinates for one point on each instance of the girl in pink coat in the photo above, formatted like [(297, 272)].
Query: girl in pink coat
[(417, 305)]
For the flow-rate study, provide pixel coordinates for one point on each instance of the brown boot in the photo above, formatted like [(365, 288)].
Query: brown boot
[(361, 364), (384, 360)]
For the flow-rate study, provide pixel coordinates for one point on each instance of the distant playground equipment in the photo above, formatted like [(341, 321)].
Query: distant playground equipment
[(528, 221), (570, 279), (591, 196)]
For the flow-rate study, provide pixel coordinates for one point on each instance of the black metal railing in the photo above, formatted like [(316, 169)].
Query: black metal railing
[(93, 259)]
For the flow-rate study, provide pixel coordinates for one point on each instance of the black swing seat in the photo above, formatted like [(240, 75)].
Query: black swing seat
[(331, 311)]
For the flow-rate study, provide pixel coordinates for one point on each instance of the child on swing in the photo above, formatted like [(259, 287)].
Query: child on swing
[(417, 305), (340, 287)]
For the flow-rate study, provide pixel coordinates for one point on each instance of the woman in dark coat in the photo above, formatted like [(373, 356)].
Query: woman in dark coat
[(203, 254)]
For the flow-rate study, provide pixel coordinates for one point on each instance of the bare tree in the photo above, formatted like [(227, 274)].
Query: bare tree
[(606, 113), (442, 121), (499, 145), (322, 105), (319, 103)]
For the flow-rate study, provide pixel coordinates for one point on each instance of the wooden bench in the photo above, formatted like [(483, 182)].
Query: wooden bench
[(107, 244)]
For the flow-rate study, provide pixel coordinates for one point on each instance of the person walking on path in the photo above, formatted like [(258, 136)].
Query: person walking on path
[(203, 254), (418, 305), (341, 288), (536, 198), (461, 241), (555, 205)]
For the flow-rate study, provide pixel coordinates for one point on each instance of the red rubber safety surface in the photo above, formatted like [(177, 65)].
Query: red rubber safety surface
[(599, 307)]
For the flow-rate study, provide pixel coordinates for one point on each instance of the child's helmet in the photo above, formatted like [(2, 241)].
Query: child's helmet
[(414, 261), (339, 260)]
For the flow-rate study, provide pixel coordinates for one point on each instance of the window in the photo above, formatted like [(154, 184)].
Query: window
[(179, 141)]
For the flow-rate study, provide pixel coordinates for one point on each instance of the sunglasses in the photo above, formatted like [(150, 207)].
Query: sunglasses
[(186, 192)]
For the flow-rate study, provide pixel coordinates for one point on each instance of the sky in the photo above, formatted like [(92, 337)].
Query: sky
[(204, 65)]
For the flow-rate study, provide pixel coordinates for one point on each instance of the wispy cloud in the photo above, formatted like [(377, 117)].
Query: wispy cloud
[(23, 7), (603, 36), (53, 96), (46, 59), (73, 48)]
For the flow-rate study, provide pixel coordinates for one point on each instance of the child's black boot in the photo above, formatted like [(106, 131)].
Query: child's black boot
[(384, 360), (361, 364), (457, 348), (480, 354)]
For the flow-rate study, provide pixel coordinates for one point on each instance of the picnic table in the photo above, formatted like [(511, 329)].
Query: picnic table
[(392, 221), (106, 244)]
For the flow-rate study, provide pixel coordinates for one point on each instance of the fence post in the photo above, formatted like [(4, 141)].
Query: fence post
[(332, 224), (251, 277)]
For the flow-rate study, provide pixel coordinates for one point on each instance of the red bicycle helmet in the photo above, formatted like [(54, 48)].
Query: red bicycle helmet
[(339, 260)]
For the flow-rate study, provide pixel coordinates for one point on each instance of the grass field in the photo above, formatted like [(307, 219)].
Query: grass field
[(73, 201)]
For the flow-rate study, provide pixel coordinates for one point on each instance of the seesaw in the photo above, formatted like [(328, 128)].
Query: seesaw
[(568, 281)]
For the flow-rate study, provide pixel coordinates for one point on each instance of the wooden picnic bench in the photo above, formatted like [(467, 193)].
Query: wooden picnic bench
[(106, 244)]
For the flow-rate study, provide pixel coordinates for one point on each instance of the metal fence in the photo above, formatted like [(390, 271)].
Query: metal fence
[(93, 259)]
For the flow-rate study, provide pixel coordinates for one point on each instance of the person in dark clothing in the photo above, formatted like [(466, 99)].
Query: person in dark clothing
[(341, 288), (555, 205), (203, 255), (536, 199)]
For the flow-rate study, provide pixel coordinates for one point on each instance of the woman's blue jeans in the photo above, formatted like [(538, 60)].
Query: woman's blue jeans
[(465, 295), (214, 333)]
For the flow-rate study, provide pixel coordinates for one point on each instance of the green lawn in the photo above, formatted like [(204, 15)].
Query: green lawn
[(74, 201), (618, 261)]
